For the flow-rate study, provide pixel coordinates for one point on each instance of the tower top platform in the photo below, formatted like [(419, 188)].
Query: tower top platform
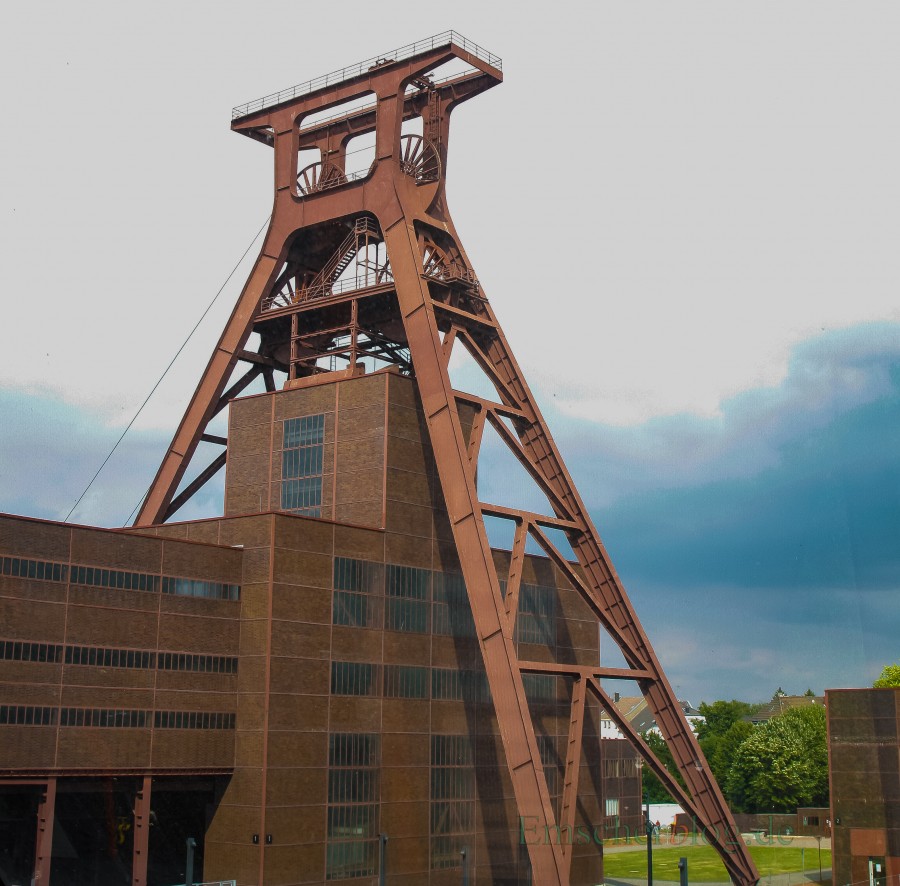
[(404, 53)]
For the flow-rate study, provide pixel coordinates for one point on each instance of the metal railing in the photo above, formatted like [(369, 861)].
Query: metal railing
[(445, 38), (316, 122), (326, 290), (351, 284)]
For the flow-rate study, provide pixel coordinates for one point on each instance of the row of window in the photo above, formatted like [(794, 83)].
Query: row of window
[(27, 715), (407, 681), (99, 577), (116, 718), (412, 594), (412, 681), (109, 657), (37, 569), (624, 768), (197, 587)]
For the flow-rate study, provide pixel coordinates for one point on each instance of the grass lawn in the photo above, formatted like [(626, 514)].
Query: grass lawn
[(704, 865)]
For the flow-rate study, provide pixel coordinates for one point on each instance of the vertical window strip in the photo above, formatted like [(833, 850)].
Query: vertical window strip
[(551, 761), (539, 687), (302, 457), (407, 598), (353, 794), (452, 799), (536, 619), (358, 586), (451, 611)]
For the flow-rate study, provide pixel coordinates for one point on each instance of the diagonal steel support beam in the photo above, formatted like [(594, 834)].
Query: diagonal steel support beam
[(197, 484), (573, 765)]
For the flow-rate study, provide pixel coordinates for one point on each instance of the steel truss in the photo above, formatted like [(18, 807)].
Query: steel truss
[(410, 306)]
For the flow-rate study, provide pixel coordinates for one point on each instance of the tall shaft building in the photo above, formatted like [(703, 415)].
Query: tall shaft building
[(339, 678)]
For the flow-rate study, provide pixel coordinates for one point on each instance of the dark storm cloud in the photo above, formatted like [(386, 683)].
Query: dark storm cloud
[(763, 546), (826, 514), (826, 377)]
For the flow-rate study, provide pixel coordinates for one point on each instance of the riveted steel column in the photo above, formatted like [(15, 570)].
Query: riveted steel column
[(44, 849)]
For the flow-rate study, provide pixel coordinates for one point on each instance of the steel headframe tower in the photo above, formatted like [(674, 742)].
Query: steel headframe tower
[(412, 298)]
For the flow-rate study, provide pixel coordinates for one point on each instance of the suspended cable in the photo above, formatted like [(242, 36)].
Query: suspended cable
[(160, 379)]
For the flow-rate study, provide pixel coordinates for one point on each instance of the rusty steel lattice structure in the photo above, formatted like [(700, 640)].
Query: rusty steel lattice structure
[(366, 264)]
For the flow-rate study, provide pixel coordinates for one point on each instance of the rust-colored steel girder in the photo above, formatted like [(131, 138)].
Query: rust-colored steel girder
[(413, 298)]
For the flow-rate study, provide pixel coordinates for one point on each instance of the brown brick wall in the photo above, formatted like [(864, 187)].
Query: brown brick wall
[(864, 764), (63, 613)]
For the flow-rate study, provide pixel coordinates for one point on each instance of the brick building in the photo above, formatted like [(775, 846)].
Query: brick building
[(286, 683), (864, 766)]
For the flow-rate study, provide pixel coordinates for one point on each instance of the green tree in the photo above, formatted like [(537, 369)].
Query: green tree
[(724, 748), (720, 716), (722, 733), (782, 764), (890, 677), (652, 787)]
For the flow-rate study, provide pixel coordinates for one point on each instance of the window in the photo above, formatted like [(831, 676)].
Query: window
[(452, 798), (353, 762), (301, 465), (536, 621), (612, 805), (407, 599), (446, 684), (353, 678), (357, 593), (195, 587), (405, 681), (539, 687), (451, 612), (551, 762), (450, 684)]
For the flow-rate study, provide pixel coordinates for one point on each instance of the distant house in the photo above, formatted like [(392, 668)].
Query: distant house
[(634, 709), (781, 704), (692, 715)]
